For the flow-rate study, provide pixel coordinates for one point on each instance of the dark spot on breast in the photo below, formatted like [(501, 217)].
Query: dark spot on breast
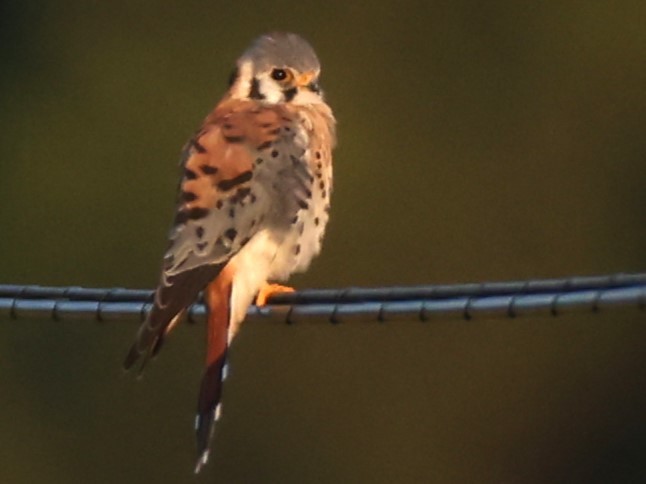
[(324, 193), (232, 213), (231, 233), (259, 161), (297, 249), (230, 183), (254, 91), (316, 221), (208, 169), (201, 245), (274, 153), (303, 204), (199, 231), (189, 196), (294, 220), (318, 157), (308, 193), (252, 198), (190, 174), (287, 129)]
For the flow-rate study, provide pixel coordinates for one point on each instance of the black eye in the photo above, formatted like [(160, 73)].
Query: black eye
[(279, 74)]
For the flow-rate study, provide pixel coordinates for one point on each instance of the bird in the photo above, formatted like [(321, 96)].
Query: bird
[(252, 207)]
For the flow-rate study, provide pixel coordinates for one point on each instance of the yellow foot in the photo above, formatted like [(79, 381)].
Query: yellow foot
[(269, 290)]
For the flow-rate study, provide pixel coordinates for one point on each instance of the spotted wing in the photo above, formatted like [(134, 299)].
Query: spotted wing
[(227, 194)]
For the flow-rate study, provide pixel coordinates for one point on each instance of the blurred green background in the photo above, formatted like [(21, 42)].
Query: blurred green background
[(478, 141)]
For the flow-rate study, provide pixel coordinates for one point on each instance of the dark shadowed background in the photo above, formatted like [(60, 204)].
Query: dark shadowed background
[(478, 141)]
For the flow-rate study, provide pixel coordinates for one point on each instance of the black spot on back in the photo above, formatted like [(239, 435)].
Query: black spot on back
[(196, 213), (188, 196), (198, 147), (234, 139), (230, 183), (208, 169)]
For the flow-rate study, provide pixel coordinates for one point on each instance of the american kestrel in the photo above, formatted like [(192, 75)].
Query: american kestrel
[(252, 207)]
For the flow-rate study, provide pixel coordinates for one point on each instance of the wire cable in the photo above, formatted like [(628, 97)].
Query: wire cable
[(490, 300)]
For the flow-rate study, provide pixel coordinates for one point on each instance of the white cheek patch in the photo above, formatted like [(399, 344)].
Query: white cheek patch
[(269, 89)]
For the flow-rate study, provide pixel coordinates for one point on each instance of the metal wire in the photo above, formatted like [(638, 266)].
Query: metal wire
[(439, 302)]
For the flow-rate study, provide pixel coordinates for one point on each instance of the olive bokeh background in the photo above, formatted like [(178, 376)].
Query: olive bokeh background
[(477, 141)]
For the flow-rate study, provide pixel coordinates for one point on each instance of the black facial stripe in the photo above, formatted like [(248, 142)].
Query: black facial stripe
[(254, 92), (290, 93)]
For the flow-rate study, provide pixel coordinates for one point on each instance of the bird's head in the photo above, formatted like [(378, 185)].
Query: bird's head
[(278, 68)]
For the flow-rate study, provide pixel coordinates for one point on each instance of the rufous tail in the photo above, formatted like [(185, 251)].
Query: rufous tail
[(218, 296)]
